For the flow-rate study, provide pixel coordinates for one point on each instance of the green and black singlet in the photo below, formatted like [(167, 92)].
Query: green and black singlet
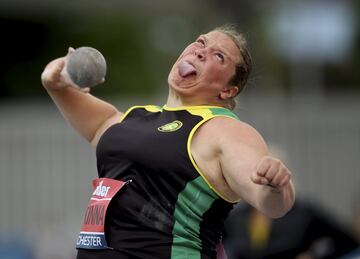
[(169, 210)]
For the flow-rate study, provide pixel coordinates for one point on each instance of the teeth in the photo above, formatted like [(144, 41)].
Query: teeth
[(186, 69)]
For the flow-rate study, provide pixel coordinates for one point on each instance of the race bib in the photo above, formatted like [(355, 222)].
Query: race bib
[(92, 234)]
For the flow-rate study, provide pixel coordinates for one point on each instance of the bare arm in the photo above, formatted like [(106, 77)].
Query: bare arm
[(89, 115), (259, 179)]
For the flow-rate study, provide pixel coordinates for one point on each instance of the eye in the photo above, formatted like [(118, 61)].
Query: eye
[(220, 56), (201, 42)]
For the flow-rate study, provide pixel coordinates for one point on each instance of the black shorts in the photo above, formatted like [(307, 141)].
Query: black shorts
[(102, 254)]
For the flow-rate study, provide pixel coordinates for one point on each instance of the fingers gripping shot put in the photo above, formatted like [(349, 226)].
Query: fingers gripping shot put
[(169, 175), (84, 67)]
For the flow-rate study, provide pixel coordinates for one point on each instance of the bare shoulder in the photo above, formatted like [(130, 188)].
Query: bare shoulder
[(232, 148), (228, 131)]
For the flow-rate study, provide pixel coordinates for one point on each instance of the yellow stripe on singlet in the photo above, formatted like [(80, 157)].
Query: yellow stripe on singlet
[(150, 108)]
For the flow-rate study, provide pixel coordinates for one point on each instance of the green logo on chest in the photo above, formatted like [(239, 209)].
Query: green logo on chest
[(172, 126)]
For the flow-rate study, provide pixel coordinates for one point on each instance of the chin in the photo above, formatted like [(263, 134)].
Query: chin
[(182, 86)]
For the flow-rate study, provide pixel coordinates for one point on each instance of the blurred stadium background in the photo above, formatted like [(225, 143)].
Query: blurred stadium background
[(303, 96)]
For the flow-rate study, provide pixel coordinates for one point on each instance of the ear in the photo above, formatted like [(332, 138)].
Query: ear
[(228, 92)]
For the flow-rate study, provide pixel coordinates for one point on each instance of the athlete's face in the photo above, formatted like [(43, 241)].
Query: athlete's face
[(205, 67)]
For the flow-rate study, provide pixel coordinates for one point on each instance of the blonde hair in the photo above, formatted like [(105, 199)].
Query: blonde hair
[(244, 67)]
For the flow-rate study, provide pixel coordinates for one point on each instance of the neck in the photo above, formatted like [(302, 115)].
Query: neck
[(176, 100)]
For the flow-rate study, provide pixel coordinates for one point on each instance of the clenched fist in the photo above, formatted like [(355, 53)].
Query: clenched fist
[(272, 172)]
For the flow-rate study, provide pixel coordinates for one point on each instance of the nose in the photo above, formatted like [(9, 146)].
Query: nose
[(199, 53)]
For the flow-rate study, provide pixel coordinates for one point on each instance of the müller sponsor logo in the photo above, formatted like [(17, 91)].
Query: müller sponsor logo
[(101, 190)]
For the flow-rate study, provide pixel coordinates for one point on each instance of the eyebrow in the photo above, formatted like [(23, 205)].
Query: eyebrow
[(224, 52)]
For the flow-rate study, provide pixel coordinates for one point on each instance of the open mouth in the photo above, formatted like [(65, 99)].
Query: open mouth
[(186, 69)]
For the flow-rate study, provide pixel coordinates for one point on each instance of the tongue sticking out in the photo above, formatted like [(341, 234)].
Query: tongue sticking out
[(186, 69)]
